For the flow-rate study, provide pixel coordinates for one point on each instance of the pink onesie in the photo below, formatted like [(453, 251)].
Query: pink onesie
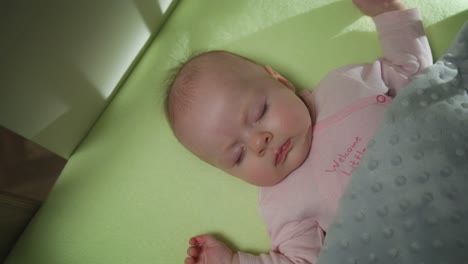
[(350, 103)]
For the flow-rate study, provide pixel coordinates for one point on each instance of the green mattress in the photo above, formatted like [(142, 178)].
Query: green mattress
[(131, 194)]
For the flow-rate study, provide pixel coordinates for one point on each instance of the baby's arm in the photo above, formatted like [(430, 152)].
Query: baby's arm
[(404, 43), (296, 242)]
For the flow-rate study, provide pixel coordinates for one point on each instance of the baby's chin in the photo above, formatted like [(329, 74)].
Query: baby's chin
[(267, 181), (288, 173), (281, 176)]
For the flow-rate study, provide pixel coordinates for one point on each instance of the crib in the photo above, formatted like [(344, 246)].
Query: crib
[(130, 193)]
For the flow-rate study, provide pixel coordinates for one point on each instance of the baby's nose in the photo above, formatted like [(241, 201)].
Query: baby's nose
[(259, 142)]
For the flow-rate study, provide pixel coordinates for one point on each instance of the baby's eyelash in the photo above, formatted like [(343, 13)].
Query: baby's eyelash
[(239, 159), (265, 108), (262, 113)]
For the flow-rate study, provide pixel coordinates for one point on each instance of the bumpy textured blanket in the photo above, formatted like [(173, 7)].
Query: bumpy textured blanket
[(408, 201)]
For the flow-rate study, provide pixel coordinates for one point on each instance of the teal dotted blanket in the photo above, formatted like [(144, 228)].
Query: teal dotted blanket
[(408, 201)]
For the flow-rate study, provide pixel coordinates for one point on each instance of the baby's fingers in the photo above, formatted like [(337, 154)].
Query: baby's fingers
[(189, 260), (193, 251), (203, 240), (193, 241)]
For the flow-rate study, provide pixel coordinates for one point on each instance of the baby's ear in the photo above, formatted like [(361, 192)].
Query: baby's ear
[(280, 78)]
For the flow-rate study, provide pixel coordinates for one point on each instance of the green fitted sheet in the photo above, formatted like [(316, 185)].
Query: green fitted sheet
[(131, 194)]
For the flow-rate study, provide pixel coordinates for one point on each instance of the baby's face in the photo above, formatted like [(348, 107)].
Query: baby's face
[(248, 124)]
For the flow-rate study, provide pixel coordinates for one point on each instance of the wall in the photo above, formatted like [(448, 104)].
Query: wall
[(61, 61)]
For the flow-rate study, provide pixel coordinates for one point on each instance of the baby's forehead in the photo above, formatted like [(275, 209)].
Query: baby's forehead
[(211, 119), (201, 73), (222, 63), (213, 80), (216, 76)]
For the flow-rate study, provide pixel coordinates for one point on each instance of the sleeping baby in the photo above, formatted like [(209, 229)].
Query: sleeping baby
[(300, 150)]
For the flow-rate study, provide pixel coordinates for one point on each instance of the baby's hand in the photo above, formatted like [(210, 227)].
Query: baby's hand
[(206, 249), (376, 7)]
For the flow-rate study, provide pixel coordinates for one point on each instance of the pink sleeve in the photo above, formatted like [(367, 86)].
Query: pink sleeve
[(405, 47), (297, 242)]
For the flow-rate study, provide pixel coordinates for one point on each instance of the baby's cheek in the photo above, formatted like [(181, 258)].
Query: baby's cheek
[(297, 107), (297, 116), (257, 171), (262, 173)]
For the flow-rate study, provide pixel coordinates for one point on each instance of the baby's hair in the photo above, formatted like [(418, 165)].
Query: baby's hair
[(171, 79), (180, 97)]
